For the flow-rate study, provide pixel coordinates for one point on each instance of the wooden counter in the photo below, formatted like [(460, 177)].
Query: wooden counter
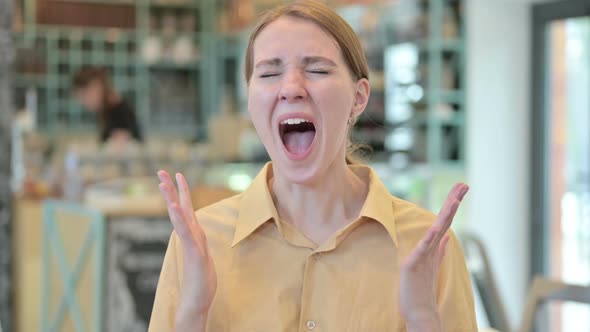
[(137, 230), (27, 228)]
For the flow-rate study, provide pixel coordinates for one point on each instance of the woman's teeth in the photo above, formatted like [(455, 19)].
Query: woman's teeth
[(294, 121)]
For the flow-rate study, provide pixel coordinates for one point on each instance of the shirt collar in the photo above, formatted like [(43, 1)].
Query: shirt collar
[(378, 204), (257, 206)]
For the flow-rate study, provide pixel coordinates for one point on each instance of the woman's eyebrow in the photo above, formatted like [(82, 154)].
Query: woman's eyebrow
[(275, 62), (315, 59)]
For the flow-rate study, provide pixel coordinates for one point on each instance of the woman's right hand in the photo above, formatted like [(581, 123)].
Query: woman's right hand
[(199, 280)]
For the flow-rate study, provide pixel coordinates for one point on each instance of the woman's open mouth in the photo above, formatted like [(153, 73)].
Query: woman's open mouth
[(298, 135)]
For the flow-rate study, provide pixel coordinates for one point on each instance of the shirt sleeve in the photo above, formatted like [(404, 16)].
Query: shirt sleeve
[(167, 292), (455, 296)]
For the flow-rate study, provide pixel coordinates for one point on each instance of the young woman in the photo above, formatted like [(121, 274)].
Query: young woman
[(116, 119), (316, 242)]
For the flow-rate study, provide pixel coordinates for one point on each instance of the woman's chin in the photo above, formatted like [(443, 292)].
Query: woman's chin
[(300, 176), (303, 172)]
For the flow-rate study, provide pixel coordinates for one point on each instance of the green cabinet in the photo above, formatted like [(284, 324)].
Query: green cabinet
[(162, 65)]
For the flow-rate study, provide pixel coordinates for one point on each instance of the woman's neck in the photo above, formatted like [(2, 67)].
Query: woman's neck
[(321, 208)]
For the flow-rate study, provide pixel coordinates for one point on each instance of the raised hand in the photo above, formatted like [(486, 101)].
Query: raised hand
[(419, 273), (199, 280)]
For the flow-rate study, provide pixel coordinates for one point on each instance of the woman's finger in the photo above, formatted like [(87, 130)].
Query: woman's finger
[(175, 213), (449, 209), (437, 234), (188, 210), (454, 195), (185, 197), (445, 218), (181, 211), (166, 179), (168, 193), (440, 254)]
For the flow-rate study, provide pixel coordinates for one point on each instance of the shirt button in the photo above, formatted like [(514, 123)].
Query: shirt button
[(317, 256), (310, 325)]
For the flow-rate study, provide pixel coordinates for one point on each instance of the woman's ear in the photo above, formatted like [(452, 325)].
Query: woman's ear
[(361, 96)]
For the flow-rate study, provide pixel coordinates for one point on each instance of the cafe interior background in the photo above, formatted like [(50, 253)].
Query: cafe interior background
[(491, 92)]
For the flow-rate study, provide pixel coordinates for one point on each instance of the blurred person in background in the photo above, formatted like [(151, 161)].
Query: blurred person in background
[(117, 122), (316, 242)]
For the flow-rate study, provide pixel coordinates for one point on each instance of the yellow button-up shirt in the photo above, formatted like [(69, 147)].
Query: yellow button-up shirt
[(272, 278)]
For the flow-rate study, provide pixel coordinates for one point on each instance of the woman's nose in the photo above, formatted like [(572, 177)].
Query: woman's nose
[(293, 86)]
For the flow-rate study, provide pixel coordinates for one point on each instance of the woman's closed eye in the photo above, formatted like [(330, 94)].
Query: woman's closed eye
[(318, 71), (272, 74)]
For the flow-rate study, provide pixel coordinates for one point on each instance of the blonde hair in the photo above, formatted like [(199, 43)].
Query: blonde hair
[(334, 25)]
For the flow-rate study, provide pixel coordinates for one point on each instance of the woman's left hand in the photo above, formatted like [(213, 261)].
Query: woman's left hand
[(419, 272)]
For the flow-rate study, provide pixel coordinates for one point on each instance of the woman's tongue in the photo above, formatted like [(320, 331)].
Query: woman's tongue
[(298, 142)]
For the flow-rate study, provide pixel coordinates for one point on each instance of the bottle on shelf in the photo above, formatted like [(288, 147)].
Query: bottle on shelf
[(73, 182)]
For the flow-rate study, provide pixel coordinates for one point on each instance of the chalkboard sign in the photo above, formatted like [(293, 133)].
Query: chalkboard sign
[(136, 249)]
